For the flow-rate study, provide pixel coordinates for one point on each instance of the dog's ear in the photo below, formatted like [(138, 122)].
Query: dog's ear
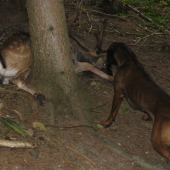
[(110, 57), (110, 60)]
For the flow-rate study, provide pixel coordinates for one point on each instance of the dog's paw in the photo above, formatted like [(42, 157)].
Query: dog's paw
[(41, 98), (146, 117), (106, 124)]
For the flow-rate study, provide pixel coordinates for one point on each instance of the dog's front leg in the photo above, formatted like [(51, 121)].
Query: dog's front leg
[(117, 100)]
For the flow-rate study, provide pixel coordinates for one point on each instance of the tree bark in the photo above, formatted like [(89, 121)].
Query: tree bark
[(52, 70)]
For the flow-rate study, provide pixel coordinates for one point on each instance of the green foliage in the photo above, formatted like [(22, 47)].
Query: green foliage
[(158, 11), (39, 125), (14, 125)]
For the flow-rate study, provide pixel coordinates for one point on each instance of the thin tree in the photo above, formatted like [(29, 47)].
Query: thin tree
[(52, 70)]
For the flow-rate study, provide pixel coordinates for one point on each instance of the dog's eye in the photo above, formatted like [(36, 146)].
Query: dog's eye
[(104, 64)]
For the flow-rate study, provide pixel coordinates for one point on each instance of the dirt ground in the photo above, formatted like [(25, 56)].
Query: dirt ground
[(126, 144)]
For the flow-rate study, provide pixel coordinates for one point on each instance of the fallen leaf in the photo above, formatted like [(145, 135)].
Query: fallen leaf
[(100, 126), (39, 125)]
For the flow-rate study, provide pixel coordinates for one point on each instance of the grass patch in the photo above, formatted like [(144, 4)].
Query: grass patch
[(159, 11)]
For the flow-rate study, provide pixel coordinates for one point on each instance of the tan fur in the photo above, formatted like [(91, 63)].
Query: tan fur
[(18, 57), (7, 33), (16, 52)]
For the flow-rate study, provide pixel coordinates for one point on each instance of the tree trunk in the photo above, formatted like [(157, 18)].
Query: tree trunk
[(52, 70)]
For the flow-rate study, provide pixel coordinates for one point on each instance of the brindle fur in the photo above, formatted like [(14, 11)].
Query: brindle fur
[(132, 82)]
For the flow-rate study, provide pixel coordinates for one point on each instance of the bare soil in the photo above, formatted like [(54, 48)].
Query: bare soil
[(126, 144)]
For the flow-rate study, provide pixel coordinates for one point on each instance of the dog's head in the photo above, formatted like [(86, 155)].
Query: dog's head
[(112, 60)]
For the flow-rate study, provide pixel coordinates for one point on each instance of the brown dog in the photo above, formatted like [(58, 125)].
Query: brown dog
[(142, 93)]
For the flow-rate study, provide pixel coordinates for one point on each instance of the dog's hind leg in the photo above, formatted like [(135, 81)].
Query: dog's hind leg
[(161, 137)]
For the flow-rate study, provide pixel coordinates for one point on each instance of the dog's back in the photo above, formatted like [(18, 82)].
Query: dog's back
[(140, 89)]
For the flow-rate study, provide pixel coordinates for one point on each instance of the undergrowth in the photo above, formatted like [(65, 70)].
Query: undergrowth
[(158, 11)]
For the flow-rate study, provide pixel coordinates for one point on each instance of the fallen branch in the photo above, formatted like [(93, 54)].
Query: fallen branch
[(108, 15), (157, 33), (16, 144), (69, 127), (91, 26), (113, 31), (138, 12), (16, 112)]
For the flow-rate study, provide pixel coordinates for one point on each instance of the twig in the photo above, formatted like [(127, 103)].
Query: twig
[(80, 4), (69, 127), (92, 109), (148, 45), (108, 15), (114, 31), (16, 112), (90, 23), (143, 42), (99, 106), (157, 33), (138, 12), (165, 16)]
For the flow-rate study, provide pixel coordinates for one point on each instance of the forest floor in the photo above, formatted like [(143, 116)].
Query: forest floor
[(126, 144)]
